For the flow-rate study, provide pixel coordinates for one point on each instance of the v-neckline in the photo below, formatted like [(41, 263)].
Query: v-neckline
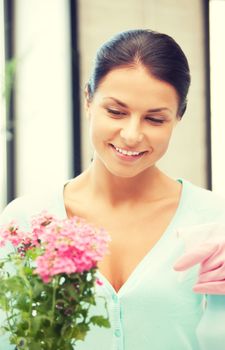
[(149, 254)]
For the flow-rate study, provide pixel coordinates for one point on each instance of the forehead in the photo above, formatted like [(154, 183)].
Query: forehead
[(135, 86)]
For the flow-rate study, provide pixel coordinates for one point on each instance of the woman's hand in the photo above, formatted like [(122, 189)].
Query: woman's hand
[(210, 254)]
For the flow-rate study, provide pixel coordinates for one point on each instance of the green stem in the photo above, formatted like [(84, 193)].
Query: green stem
[(8, 322), (55, 285), (29, 291)]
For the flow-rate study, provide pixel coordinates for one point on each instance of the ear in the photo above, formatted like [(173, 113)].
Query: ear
[(87, 101)]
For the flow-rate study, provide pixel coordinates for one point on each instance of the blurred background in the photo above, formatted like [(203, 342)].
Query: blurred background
[(46, 53)]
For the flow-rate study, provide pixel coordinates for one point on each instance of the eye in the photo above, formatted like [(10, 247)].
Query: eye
[(155, 120), (115, 112)]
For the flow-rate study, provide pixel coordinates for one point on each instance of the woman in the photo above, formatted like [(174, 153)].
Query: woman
[(134, 99)]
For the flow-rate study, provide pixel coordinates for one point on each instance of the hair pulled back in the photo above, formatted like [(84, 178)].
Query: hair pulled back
[(158, 53)]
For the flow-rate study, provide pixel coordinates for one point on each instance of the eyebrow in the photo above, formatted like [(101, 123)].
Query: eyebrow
[(154, 110)]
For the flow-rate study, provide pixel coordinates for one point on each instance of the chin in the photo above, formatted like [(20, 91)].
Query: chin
[(125, 174)]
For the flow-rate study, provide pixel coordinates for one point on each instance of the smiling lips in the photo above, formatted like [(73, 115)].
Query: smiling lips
[(133, 154)]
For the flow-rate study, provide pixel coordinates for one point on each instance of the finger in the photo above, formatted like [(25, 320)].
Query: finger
[(215, 262), (195, 256), (217, 273), (210, 288)]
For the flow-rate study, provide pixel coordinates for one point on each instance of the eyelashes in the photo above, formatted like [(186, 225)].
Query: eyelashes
[(155, 120), (117, 113)]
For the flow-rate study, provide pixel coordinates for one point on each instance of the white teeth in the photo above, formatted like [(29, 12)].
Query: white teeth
[(127, 153)]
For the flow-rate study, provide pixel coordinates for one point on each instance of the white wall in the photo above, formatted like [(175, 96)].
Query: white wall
[(43, 95), (183, 20), (217, 59)]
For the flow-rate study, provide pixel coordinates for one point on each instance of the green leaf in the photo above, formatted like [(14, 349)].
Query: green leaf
[(15, 285), (35, 346), (80, 331), (100, 321), (28, 271), (34, 253), (38, 288), (89, 299), (4, 303), (23, 303), (22, 327)]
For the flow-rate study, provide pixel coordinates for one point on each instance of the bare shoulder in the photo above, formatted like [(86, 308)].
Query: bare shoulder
[(76, 196)]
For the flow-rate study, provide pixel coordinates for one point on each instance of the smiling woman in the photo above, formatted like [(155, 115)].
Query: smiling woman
[(132, 111), (136, 95)]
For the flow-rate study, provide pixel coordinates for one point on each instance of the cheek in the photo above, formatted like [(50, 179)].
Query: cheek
[(160, 139), (98, 131), (160, 135)]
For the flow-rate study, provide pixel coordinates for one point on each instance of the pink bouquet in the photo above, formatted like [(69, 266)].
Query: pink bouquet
[(48, 282)]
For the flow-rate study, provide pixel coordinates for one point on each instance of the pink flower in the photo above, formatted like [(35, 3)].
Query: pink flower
[(99, 282), (67, 246), (11, 233), (39, 224), (70, 245)]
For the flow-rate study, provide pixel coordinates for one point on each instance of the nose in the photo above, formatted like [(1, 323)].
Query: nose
[(131, 133)]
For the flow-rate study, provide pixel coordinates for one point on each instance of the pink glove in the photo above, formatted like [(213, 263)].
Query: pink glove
[(210, 254)]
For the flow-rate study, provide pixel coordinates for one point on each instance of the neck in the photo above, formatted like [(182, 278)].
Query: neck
[(150, 185)]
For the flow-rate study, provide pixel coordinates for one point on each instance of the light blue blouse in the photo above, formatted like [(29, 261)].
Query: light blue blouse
[(156, 308)]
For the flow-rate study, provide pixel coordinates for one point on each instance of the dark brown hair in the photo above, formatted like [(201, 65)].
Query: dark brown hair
[(158, 53)]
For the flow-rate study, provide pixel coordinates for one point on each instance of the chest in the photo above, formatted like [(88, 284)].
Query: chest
[(131, 240), (133, 234)]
